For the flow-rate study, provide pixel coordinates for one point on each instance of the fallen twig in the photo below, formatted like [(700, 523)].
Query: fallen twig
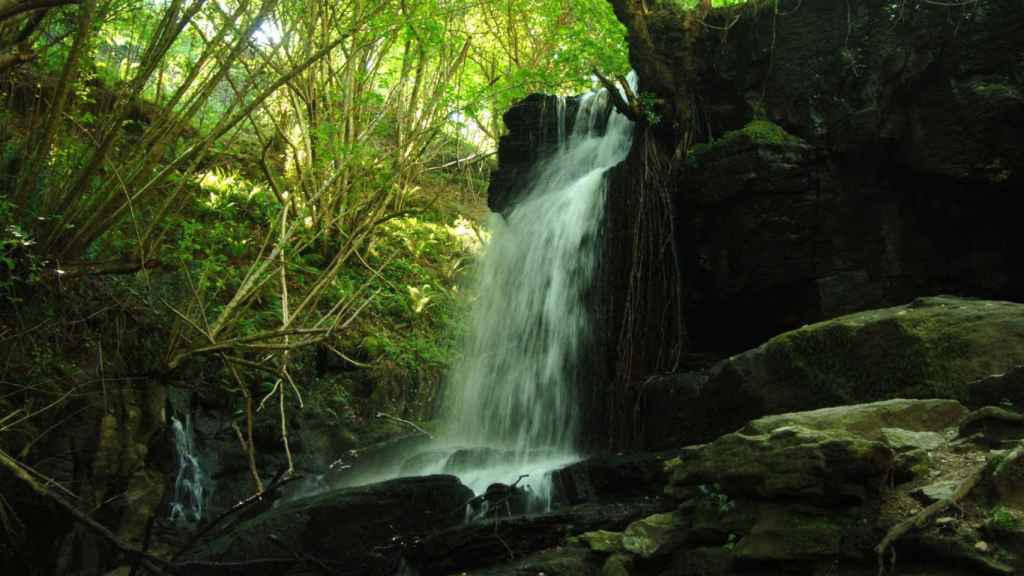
[(924, 516), (279, 480), (407, 423)]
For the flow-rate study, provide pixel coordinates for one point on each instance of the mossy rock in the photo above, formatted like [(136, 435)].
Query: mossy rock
[(936, 347), (600, 541), (756, 132), (931, 348), (884, 420), (793, 462), (655, 535), (618, 565), (757, 138)]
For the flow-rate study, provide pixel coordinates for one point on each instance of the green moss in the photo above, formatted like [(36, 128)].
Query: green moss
[(765, 132), (759, 132), (928, 349), (599, 541), (1002, 518)]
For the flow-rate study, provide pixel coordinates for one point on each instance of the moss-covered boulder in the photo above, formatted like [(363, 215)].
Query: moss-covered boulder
[(600, 541), (935, 347), (791, 462), (871, 420), (656, 535)]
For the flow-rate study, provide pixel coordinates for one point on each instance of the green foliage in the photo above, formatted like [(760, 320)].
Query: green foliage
[(757, 132), (1002, 518), (649, 103), (18, 264), (415, 317), (711, 498)]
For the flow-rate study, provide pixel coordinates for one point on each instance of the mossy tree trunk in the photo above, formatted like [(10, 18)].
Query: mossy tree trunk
[(669, 76)]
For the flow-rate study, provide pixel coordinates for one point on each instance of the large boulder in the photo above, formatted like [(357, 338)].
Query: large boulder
[(361, 530), (790, 462), (610, 477), (936, 347)]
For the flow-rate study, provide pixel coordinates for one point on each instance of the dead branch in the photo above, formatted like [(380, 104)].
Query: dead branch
[(920, 519), (278, 481), (149, 562), (628, 109), (12, 9), (406, 422)]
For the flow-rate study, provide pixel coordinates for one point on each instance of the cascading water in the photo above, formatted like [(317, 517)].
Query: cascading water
[(514, 388), (189, 494)]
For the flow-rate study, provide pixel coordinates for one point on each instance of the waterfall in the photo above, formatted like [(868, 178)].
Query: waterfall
[(514, 388), (189, 498)]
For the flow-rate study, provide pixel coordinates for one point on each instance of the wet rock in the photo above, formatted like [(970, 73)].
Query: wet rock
[(359, 530), (828, 466), (468, 459), (531, 137), (656, 535), (504, 500), (422, 461), (486, 542), (612, 477)]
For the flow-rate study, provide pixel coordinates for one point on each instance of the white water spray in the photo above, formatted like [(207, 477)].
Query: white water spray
[(514, 389), (189, 495)]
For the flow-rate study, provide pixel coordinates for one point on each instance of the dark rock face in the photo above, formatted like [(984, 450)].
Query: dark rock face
[(608, 478), (532, 136), (902, 182)]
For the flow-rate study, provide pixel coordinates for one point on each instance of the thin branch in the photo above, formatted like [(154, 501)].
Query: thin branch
[(150, 563), (924, 516), (11, 10), (406, 422)]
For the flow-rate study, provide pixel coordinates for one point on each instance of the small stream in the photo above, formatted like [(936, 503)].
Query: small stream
[(188, 500)]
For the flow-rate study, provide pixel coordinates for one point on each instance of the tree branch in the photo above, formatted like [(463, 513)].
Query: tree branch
[(12, 9), (147, 561)]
